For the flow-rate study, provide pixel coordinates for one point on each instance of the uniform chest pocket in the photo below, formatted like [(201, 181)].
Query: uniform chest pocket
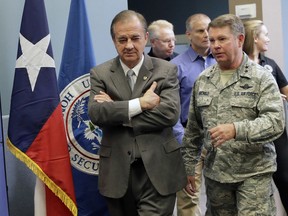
[(203, 101), (203, 106), (249, 103), (244, 107)]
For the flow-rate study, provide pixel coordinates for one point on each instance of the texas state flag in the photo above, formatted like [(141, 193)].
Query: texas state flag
[(36, 133)]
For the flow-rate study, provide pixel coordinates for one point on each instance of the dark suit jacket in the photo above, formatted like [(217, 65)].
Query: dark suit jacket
[(151, 130)]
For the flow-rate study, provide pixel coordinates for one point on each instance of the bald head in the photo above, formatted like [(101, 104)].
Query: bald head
[(196, 18)]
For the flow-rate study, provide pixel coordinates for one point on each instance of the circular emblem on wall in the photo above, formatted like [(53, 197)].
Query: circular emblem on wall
[(83, 136)]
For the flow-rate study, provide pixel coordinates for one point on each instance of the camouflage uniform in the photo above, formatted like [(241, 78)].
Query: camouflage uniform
[(252, 102)]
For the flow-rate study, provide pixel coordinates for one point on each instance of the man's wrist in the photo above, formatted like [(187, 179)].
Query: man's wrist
[(142, 103)]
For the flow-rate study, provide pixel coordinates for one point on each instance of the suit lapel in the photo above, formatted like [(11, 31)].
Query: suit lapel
[(119, 79), (143, 76)]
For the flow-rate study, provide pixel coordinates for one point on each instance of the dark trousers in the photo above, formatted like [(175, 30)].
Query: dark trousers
[(141, 198), (280, 177)]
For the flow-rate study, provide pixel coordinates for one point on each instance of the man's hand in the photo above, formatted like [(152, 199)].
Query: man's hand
[(150, 99), (222, 133), (190, 187), (284, 97), (102, 97)]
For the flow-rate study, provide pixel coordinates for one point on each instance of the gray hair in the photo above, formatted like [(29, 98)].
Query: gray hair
[(194, 18), (156, 25)]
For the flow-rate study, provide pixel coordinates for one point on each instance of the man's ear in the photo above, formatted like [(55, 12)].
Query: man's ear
[(147, 36), (188, 35), (241, 39), (152, 42)]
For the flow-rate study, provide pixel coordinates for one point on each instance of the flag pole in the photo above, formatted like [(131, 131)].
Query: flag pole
[(4, 204)]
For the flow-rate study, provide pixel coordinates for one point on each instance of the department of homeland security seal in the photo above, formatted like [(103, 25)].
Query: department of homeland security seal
[(83, 137)]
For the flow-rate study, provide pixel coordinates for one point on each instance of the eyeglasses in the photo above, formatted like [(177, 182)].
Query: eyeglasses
[(167, 41)]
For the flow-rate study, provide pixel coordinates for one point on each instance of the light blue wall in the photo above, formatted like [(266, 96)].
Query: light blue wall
[(100, 13), (285, 34)]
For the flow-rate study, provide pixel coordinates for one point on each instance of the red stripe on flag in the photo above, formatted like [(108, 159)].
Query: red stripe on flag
[(50, 152)]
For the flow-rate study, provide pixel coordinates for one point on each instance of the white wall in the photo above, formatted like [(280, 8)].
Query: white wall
[(272, 18), (285, 34)]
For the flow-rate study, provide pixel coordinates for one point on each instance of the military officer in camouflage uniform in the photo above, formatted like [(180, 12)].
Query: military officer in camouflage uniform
[(235, 113)]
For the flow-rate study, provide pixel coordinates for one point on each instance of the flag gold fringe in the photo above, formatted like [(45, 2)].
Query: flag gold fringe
[(70, 204)]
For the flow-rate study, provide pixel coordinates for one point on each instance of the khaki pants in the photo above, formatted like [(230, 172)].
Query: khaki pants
[(188, 205)]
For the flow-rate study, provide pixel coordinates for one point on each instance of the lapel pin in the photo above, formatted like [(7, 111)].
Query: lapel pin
[(145, 78)]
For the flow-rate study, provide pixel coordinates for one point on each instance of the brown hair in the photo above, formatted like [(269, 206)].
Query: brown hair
[(126, 15), (232, 21), (252, 30)]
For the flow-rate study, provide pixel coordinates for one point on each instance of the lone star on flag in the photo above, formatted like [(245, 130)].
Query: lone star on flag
[(34, 56)]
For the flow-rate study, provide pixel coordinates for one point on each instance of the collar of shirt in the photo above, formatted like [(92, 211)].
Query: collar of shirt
[(194, 55), (135, 69), (151, 54), (261, 59)]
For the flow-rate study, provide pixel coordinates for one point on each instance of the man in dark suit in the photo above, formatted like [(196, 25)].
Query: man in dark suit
[(140, 161)]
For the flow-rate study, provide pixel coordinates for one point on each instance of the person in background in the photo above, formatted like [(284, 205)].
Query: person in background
[(255, 45), (162, 40), (190, 64), (236, 112), (141, 166)]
